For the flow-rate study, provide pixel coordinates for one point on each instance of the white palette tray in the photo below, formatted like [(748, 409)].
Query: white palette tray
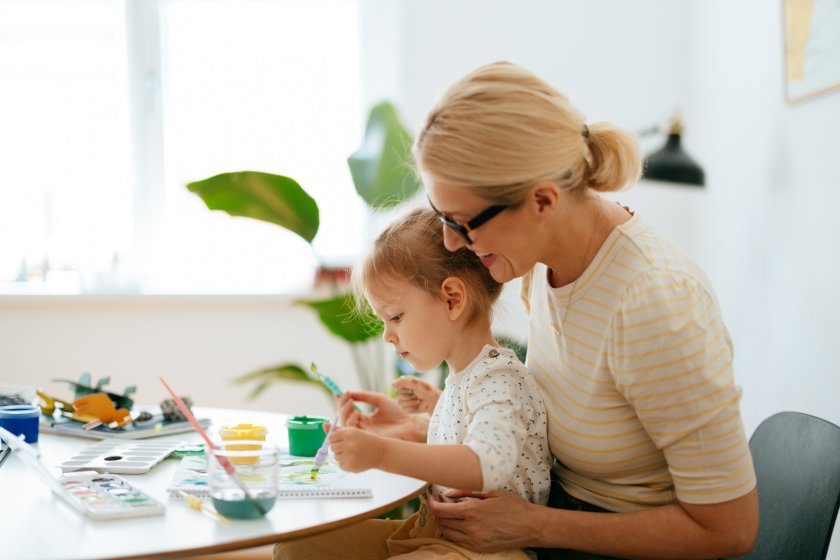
[(120, 457)]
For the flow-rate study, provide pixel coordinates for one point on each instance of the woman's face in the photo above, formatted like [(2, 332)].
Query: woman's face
[(502, 243)]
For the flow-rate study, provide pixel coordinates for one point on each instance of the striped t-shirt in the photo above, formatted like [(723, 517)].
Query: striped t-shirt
[(635, 367)]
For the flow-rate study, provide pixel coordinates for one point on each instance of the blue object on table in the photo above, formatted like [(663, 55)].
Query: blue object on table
[(21, 420)]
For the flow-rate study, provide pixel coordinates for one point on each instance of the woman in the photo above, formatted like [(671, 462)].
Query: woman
[(626, 339)]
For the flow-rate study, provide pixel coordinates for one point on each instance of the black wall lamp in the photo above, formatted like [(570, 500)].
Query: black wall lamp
[(670, 163)]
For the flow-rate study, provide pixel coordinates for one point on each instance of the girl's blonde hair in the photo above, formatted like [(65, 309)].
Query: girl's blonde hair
[(500, 129), (412, 250)]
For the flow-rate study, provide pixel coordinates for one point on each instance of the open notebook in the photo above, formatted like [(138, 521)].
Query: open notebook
[(294, 480)]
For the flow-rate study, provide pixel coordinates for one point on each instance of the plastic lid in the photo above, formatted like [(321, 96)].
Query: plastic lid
[(306, 422), (243, 431), (19, 411)]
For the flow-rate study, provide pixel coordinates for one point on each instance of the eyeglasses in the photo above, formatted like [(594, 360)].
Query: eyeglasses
[(465, 229)]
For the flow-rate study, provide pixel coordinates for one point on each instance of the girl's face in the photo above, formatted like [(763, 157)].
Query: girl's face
[(417, 324), (505, 243)]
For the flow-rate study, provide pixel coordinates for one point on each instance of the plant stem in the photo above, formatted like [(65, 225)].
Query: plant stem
[(355, 354)]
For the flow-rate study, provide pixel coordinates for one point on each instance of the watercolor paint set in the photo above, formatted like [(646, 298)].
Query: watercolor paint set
[(97, 495), (107, 496)]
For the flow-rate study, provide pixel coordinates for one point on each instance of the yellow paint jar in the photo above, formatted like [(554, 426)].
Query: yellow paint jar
[(236, 432)]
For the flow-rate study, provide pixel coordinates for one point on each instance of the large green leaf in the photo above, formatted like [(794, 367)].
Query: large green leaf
[(266, 377), (381, 167), (263, 196), (338, 314)]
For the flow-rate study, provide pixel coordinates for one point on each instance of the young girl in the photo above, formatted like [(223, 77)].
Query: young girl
[(488, 429)]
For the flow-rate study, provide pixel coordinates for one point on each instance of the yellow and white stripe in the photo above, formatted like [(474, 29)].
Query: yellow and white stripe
[(635, 367)]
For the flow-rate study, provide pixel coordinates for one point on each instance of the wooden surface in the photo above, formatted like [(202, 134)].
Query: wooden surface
[(38, 525)]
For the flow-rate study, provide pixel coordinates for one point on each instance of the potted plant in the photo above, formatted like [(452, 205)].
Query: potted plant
[(383, 178)]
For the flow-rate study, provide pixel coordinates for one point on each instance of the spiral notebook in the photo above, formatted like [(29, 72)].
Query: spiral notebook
[(294, 480)]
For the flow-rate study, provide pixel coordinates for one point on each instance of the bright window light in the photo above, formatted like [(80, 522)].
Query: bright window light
[(65, 189), (265, 86), (104, 141)]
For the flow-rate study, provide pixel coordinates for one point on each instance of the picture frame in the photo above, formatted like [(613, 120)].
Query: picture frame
[(812, 49)]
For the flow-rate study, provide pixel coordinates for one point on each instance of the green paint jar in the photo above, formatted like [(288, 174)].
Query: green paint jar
[(306, 434)]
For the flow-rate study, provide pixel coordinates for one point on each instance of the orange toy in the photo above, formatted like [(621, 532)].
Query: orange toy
[(99, 407)]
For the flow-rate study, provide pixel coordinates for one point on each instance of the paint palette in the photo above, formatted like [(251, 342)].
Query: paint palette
[(122, 457), (107, 496)]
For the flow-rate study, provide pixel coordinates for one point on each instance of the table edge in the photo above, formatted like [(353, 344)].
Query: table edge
[(269, 539)]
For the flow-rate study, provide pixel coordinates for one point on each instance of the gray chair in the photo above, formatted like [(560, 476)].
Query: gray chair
[(797, 464)]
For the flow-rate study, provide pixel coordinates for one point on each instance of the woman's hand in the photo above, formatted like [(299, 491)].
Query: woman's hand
[(387, 418), (489, 522), (500, 520), (357, 450), (415, 395)]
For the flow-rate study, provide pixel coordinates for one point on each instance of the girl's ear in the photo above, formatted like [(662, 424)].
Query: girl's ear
[(454, 294)]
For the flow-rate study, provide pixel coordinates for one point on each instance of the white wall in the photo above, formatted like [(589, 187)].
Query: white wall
[(199, 345), (769, 235), (609, 57)]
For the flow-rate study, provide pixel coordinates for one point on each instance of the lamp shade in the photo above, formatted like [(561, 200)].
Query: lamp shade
[(672, 164)]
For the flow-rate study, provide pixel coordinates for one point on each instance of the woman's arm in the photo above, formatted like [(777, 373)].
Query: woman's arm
[(503, 521), (449, 465)]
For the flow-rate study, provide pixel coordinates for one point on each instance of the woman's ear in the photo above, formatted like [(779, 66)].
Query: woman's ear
[(544, 196), (454, 294)]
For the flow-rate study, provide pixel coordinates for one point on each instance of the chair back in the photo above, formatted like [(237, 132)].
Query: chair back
[(797, 465)]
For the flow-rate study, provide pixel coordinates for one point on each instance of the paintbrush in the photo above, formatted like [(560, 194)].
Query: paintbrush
[(223, 461), (197, 503), (321, 456), (330, 384)]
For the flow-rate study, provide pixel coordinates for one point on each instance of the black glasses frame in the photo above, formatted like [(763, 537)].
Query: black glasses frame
[(464, 230)]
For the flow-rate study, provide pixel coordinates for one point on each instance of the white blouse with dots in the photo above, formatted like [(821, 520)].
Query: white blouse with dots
[(494, 407)]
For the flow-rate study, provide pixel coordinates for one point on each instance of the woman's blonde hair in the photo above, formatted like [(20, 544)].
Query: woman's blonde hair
[(412, 250), (500, 129)]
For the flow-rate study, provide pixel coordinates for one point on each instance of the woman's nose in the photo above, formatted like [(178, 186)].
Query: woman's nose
[(452, 240)]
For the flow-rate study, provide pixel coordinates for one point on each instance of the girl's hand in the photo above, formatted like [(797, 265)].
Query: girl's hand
[(387, 418), (415, 395), (493, 522), (357, 450)]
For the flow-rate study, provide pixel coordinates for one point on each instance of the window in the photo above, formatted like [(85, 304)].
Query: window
[(64, 142), (144, 97)]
